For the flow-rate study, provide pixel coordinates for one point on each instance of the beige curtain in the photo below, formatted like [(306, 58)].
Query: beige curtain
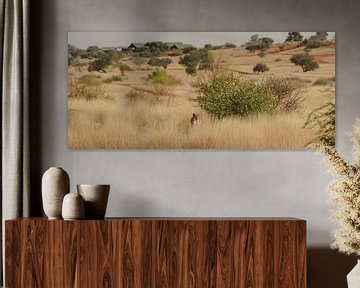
[(14, 27)]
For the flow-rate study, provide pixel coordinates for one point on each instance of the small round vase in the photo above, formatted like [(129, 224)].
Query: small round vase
[(73, 207), (96, 198), (55, 185)]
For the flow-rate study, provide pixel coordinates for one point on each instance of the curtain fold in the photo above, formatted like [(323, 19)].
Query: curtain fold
[(15, 164)]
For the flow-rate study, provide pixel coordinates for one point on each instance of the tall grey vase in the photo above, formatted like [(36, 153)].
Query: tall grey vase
[(55, 185)]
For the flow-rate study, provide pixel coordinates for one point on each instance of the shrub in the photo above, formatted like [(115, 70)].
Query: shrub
[(112, 78), (101, 63), (313, 44), (138, 61), (89, 80), (261, 54), (163, 78), (157, 62), (70, 60), (260, 67), (86, 87), (175, 53), (318, 40), (229, 45), (133, 96), (323, 82), (305, 61), (124, 68), (278, 60), (226, 95), (93, 52), (288, 93)]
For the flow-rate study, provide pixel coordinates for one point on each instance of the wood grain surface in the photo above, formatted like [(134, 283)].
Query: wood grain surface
[(161, 252)]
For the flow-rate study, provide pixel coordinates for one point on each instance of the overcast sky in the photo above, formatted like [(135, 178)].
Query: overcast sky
[(198, 39)]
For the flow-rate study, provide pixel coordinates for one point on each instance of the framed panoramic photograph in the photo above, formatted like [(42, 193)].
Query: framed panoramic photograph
[(200, 90)]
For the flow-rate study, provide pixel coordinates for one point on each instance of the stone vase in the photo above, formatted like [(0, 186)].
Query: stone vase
[(73, 207), (55, 185), (96, 198), (353, 278)]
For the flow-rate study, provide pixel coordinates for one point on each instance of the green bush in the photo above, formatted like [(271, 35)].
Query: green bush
[(101, 63), (260, 67), (305, 61), (226, 95), (163, 78)]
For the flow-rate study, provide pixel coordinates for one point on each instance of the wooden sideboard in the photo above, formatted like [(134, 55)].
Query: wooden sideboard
[(156, 252)]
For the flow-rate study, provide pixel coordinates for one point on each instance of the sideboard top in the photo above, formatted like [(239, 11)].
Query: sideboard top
[(174, 219)]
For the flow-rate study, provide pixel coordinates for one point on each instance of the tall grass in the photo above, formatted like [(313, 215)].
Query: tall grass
[(86, 87), (101, 124)]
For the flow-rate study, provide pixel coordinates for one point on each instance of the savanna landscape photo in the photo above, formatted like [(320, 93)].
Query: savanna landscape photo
[(200, 90)]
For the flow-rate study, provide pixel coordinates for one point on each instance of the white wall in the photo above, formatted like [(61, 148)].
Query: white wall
[(194, 183)]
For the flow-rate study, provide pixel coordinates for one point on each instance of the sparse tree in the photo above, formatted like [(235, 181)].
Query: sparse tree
[(320, 36), (160, 62), (305, 61), (260, 67), (165, 62), (93, 52), (294, 36), (73, 51), (229, 45), (257, 43), (254, 38), (208, 46), (157, 46), (101, 63), (197, 60), (138, 61)]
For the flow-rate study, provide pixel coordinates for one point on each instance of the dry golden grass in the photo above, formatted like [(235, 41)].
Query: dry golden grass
[(105, 124), (163, 121)]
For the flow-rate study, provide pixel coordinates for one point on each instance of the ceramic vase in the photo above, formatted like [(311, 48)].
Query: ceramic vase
[(55, 185), (96, 198), (73, 207), (353, 278)]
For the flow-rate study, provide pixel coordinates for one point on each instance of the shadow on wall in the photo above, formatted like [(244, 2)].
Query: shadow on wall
[(328, 268), (37, 13)]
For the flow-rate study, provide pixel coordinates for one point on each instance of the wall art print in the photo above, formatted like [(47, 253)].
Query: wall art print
[(200, 90)]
